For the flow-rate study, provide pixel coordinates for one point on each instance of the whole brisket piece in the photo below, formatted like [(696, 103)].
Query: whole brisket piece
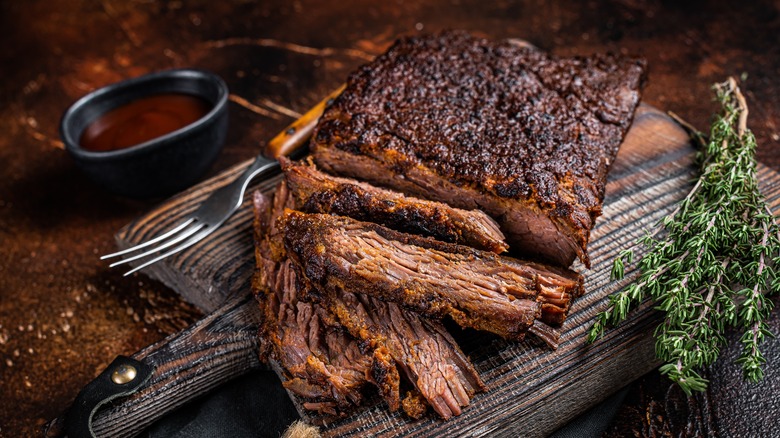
[(478, 289), (390, 339), (318, 192), (524, 136)]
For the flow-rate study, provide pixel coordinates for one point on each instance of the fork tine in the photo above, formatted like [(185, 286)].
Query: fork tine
[(149, 242), (191, 241), (183, 235)]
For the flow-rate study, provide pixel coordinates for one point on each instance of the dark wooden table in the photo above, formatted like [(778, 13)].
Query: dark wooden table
[(64, 315)]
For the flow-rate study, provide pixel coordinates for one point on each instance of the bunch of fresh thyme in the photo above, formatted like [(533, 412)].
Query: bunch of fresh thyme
[(711, 263)]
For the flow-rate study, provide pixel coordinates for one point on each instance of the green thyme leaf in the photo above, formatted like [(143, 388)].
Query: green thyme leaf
[(711, 263)]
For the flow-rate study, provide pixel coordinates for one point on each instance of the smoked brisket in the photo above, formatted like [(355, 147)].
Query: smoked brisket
[(423, 349), (477, 289), (319, 361), (525, 136), (317, 192), (330, 368), (458, 146)]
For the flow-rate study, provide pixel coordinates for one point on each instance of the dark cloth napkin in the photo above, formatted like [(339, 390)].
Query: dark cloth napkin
[(256, 405)]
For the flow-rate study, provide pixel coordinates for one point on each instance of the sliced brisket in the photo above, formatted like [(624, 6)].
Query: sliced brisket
[(318, 192), (522, 135), (424, 351), (325, 365), (478, 289), (319, 361)]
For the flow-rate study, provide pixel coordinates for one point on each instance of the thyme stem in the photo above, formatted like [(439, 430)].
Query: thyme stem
[(710, 264)]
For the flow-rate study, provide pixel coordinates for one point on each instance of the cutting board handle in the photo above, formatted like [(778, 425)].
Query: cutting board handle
[(186, 365)]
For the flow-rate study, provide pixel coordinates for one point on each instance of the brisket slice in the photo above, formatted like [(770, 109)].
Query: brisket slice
[(318, 192), (319, 361), (426, 353), (322, 365), (423, 350), (478, 289), (524, 136)]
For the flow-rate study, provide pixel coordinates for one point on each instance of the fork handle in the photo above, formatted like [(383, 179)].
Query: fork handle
[(292, 137), (289, 142)]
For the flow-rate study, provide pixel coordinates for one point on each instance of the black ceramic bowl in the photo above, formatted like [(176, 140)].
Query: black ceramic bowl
[(160, 166)]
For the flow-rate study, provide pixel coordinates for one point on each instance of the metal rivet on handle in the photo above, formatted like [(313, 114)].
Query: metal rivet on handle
[(123, 374)]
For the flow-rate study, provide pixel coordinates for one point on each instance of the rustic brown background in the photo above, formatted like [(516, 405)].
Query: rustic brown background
[(64, 316)]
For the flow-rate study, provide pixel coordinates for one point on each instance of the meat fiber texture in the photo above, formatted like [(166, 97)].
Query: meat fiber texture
[(331, 348), (329, 352), (317, 360), (525, 136), (426, 354), (477, 289)]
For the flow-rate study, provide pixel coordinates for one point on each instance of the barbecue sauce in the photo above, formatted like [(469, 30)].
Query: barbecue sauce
[(142, 120)]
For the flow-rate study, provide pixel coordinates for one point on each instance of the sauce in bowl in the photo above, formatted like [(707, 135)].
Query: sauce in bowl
[(142, 120)]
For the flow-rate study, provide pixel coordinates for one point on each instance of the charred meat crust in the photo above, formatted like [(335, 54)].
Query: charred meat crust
[(524, 136), (509, 121), (523, 223), (318, 192), (475, 288)]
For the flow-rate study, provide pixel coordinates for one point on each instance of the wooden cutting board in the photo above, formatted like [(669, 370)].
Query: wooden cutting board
[(531, 390)]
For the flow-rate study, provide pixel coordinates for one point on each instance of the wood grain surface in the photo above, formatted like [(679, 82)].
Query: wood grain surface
[(188, 364), (531, 390)]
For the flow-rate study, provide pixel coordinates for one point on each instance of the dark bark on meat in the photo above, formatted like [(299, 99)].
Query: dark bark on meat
[(522, 135), (318, 192)]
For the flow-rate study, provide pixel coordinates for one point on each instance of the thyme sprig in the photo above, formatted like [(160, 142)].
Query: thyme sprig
[(710, 264)]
